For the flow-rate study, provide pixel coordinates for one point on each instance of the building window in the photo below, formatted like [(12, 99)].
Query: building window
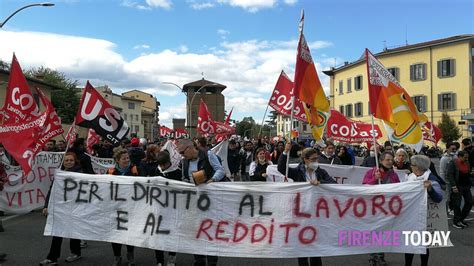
[(131, 105), (446, 68), (447, 101), (295, 124), (341, 87), (349, 85), (417, 72), (137, 129), (358, 83), (358, 111), (420, 102), (305, 127), (136, 117), (341, 109), (349, 110), (395, 71)]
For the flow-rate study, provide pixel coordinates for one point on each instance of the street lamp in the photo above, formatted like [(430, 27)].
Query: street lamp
[(190, 103), (20, 9)]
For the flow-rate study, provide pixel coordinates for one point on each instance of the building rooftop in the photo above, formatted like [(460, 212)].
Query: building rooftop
[(437, 42), (203, 82)]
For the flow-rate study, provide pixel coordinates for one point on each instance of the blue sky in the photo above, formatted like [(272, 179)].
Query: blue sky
[(244, 44)]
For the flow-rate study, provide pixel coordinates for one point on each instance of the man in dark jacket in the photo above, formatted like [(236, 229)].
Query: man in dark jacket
[(233, 159), (78, 147)]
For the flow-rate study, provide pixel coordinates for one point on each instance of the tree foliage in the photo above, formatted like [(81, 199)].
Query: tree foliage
[(66, 99), (449, 129)]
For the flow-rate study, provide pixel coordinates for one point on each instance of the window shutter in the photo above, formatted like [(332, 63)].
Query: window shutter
[(361, 80), (440, 66), (361, 109), (424, 71), (412, 72), (453, 67), (425, 103), (453, 100), (440, 106)]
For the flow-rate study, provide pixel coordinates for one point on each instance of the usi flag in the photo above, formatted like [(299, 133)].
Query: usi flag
[(280, 100), (308, 88), (391, 103), (19, 102), (96, 113), (181, 133), (166, 132), (205, 123)]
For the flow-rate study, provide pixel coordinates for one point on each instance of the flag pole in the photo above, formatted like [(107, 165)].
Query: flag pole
[(263, 120), (375, 144), (289, 137)]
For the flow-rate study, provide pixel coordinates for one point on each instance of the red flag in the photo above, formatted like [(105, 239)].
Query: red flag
[(22, 140), (166, 132), (280, 100), (92, 139), (205, 123), (71, 134), (308, 88), (181, 133), (19, 102), (227, 120), (52, 126), (96, 113), (431, 132), (345, 130)]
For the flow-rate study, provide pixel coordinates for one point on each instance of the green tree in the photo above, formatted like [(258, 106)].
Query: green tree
[(449, 129), (66, 99), (4, 65), (245, 128)]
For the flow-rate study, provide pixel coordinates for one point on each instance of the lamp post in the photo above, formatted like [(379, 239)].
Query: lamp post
[(20, 9), (190, 102)]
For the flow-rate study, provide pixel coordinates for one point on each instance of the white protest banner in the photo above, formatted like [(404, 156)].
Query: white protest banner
[(437, 219), (23, 194), (343, 174), (278, 220), (101, 165)]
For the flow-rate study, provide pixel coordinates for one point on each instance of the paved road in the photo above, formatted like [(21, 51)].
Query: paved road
[(25, 244)]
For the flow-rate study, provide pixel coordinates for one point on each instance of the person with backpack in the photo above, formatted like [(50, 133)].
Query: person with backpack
[(123, 167), (199, 167)]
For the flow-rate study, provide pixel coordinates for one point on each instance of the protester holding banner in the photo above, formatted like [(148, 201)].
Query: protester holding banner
[(384, 174), (459, 177), (124, 167), (70, 164), (198, 167), (307, 171), (258, 167), (420, 165)]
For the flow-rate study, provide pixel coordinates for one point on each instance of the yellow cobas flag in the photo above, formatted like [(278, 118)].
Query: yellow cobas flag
[(309, 90), (391, 103)]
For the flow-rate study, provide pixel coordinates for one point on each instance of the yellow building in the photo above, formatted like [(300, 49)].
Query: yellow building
[(437, 74)]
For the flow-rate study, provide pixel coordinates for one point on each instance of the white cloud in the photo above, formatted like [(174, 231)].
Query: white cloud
[(168, 113), (200, 5), (147, 5), (223, 33), (290, 2), (249, 68), (183, 48), (250, 5), (141, 46)]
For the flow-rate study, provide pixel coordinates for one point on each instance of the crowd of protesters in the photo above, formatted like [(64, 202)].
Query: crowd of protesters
[(248, 161)]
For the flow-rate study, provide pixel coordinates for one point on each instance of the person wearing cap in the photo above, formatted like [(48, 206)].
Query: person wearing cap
[(194, 161), (136, 153)]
